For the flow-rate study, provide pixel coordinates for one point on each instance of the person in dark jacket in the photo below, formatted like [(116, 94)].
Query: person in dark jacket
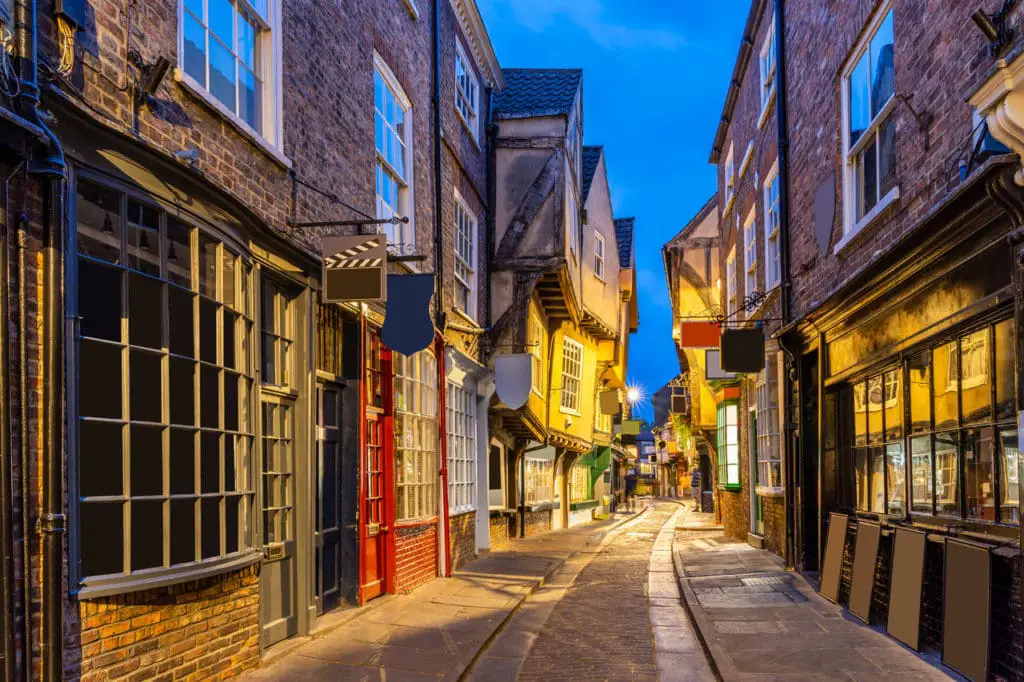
[(695, 488)]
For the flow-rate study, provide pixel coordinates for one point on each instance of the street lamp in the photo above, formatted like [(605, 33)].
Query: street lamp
[(635, 394)]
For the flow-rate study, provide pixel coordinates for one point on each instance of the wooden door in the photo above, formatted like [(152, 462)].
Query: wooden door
[(329, 495), (377, 506), (278, 578)]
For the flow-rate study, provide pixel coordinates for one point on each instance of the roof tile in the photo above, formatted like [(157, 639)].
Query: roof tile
[(537, 92), (624, 238)]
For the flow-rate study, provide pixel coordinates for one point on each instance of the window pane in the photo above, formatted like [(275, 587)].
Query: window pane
[(1004, 369), (209, 397), (143, 238), (145, 311), (893, 404), (146, 461), (182, 394), (877, 480), (230, 401), (221, 19), (1009, 472), (231, 524), (860, 111), (228, 278), (181, 326), (921, 485), (99, 454), (99, 368), (249, 97), (867, 179), (99, 300), (896, 472), (182, 462), (183, 531), (882, 66), (207, 330), (147, 534), (102, 543), (209, 462), (229, 462), (228, 344), (860, 459), (99, 222), (211, 527), (886, 155), (860, 428), (946, 497), (979, 473), (195, 49), (975, 378), (920, 394), (207, 267), (944, 381), (179, 252), (875, 399), (145, 387)]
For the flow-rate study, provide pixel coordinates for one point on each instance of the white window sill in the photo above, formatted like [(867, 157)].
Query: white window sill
[(459, 511), (466, 317), (745, 163), (769, 491), (850, 237), (569, 411), (411, 6), (599, 278), (196, 90), (536, 392), (728, 205), (469, 129), (766, 110)]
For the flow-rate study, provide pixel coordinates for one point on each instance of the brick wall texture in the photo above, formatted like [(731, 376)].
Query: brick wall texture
[(538, 522), (498, 526), (207, 629), (415, 556), (463, 538)]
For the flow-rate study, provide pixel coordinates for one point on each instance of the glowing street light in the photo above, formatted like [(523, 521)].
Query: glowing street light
[(634, 394)]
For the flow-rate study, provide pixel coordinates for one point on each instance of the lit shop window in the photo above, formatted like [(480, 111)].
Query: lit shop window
[(416, 443)]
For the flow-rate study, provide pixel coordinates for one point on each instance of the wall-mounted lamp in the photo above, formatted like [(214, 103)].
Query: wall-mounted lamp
[(148, 76), (995, 27)]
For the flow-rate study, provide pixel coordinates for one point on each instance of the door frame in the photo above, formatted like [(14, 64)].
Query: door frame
[(322, 386)]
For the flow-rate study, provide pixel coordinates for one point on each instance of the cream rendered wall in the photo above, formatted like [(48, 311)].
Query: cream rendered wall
[(601, 297)]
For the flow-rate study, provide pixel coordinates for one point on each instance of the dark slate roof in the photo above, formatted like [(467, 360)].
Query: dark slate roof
[(624, 238), (591, 156), (537, 92)]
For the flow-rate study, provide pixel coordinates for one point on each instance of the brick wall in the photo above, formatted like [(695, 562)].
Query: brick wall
[(538, 522), (415, 556), (773, 512), (207, 629), (498, 528), (463, 538)]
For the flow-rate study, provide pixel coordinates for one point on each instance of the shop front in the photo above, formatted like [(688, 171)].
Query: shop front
[(912, 372)]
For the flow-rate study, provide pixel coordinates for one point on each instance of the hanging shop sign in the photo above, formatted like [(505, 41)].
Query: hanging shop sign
[(713, 366), (679, 404), (630, 427), (355, 268), (407, 327), (743, 350), (610, 402), (513, 378), (698, 334)]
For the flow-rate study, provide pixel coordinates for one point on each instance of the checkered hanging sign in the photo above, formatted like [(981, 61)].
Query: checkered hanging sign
[(355, 268)]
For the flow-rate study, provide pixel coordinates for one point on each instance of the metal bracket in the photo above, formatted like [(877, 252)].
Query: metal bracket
[(49, 524)]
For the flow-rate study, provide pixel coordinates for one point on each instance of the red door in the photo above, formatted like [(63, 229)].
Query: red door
[(376, 471)]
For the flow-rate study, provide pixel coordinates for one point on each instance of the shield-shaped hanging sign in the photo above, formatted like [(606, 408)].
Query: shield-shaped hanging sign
[(407, 326), (512, 378), (354, 268), (610, 402)]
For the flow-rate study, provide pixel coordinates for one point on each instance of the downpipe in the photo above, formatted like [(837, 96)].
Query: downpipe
[(47, 163)]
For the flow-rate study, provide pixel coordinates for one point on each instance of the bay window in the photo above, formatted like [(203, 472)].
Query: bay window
[(416, 435), (162, 433), (461, 426), (869, 127), (572, 375), (728, 446)]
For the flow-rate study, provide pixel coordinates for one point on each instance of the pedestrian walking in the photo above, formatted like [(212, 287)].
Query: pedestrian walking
[(695, 487)]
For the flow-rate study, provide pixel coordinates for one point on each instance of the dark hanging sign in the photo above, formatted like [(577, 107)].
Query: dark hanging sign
[(679, 404), (743, 350), (355, 268), (407, 326)]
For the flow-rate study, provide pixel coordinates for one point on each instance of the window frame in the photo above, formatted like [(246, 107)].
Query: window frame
[(472, 99), (729, 181), (537, 332), (270, 137), (571, 347), (852, 225), (244, 436), (724, 447), (405, 197), (599, 251), (767, 66), (772, 219), (423, 378), (471, 265), (461, 427), (769, 431), (542, 469), (750, 259), (580, 470), (731, 284)]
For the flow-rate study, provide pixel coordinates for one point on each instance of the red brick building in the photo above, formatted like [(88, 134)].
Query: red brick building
[(190, 452)]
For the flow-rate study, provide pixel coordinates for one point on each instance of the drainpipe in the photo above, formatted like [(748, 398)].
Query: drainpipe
[(47, 162), (438, 218), (781, 119)]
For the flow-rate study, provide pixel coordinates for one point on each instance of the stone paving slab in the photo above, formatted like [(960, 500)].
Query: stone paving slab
[(435, 631), (760, 622)]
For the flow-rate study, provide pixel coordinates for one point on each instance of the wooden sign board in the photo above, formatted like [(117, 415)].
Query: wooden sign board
[(833, 563), (967, 608), (904, 621), (864, 558), (355, 269)]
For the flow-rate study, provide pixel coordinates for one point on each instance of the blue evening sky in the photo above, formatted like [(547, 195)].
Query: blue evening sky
[(654, 80)]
